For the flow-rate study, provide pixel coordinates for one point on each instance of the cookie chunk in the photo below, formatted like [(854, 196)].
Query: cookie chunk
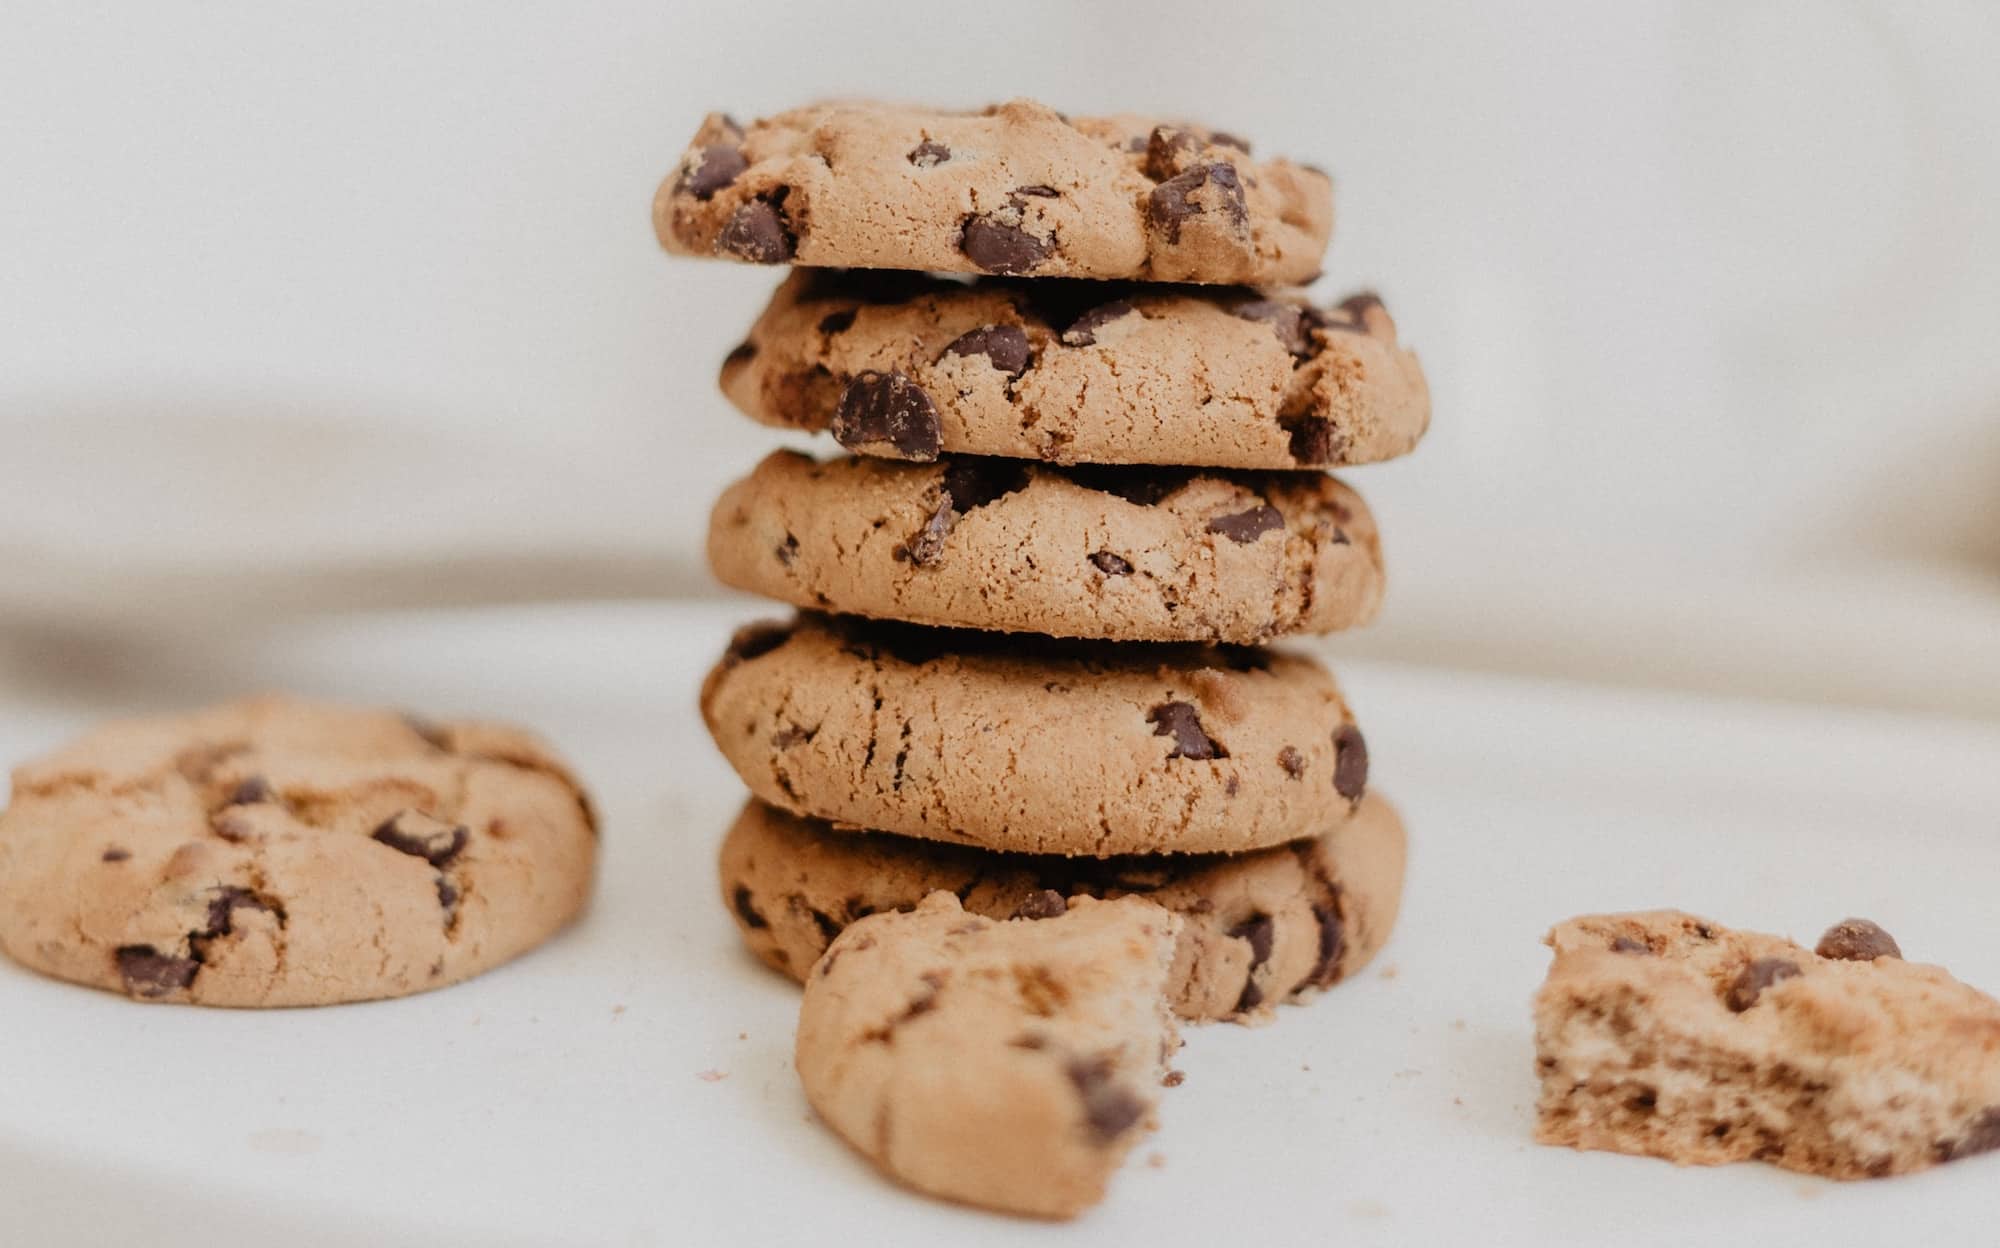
[(1664, 1034), (1258, 928), (1009, 1065), (908, 366), (273, 852), (1017, 188), (1036, 746), (1125, 554)]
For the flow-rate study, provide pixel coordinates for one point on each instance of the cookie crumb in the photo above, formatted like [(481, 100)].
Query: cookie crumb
[(1173, 1079), (1156, 1161), (711, 1076), (1390, 971)]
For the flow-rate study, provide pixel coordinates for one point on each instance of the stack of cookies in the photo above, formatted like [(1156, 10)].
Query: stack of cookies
[(1085, 413)]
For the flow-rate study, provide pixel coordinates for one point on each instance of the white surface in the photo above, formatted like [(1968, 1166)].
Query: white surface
[(526, 1107)]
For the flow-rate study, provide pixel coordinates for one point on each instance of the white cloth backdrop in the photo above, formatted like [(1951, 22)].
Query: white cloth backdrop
[(306, 307)]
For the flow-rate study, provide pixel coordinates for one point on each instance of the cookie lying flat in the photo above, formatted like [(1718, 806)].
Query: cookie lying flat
[(1257, 928), (1126, 554), (906, 366), (1017, 188), (1664, 1034), (1010, 1065), (1036, 746), (272, 852)]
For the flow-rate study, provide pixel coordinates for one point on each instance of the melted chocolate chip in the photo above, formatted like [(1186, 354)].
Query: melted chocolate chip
[(1110, 564), (1625, 944), (116, 854), (252, 792), (1167, 148), (226, 902), (1108, 1108), (1083, 331), (746, 909), (1004, 346), (1244, 527), (739, 355), (420, 835), (837, 322), (1292, 761), (149, 973), (1172, 202), (1039, 190), (929, 154), (1044, 903), (1261, 931), (447, 895), (1313, 440), (1350, 763), (1332, 943), (1000, 247), (1182, 722), (757, 232), (1857, 940), (887, 409), (1287, 321), (716, 167), (1751, 982), (1982, 1135)]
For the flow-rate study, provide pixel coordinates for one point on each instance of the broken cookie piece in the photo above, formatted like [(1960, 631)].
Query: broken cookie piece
[(1663, 1034), (1009, 1064)]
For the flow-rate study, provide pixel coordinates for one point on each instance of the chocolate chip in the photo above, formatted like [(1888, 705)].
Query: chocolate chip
[(754, 640), (149, 973), (1244, 527), (1044, 903), (829, 929), (928, 153), (1354, 313), (1982, 1135), (1292, 761), (746, 909), (1166, 149), (787, 550), (1625, 944), (227, 901), (1172, 202), (1109, 1109), (422, 836), (926, 548), (447, 894), (889, 409), (1751, 982), (757, 232), (837, 322), (739, 355), (1857, 940), (791, 735), (1039, 190), (1350, 763), (1110, 564), (116, 854), (1287, 321), (999, 246), (1004, 346), (1313, 440), (1083, 331), (1332, 943), (1180, 721), (252, 792), (1226, 139), (1261, 931), (715, 167)]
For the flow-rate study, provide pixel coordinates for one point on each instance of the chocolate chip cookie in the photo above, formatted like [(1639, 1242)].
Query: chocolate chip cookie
[(1018, 188), (1126, 554), (1664, 1034), (1031, 745), (1256, 928), (1010, 1065), (909, 366), (273, 852)]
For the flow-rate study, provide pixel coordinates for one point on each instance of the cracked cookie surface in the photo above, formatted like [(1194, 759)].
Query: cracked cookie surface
[(1668, 1035), (1032, 745), (1017, 188), (1006, 1064), (271, 852), (1257, 928), (1119, 553), (907, 366)]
